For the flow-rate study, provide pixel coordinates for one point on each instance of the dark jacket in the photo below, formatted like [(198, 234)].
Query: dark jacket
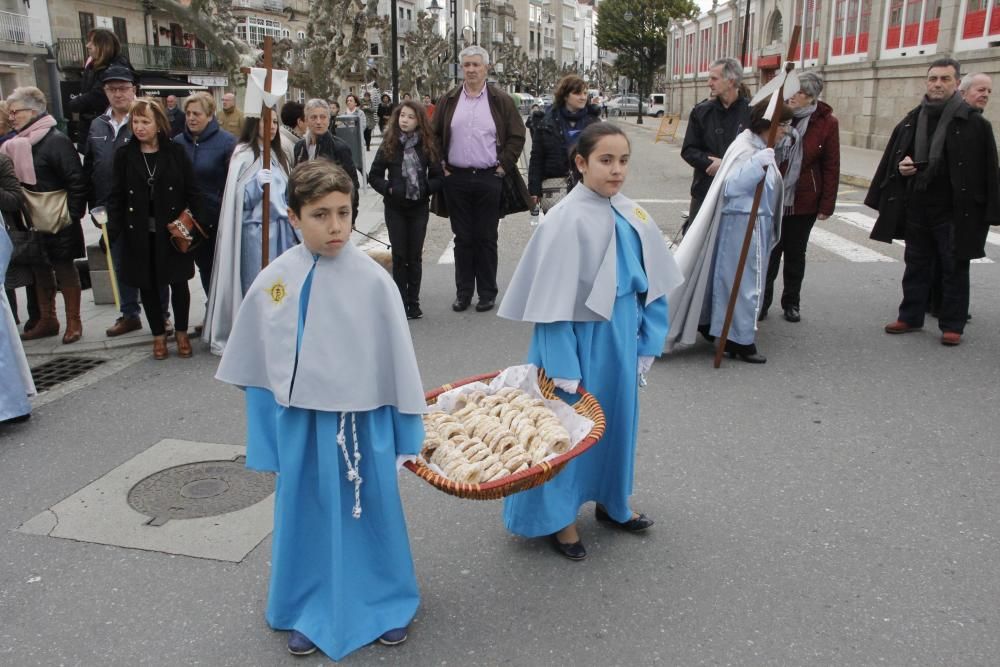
[(386, 176), (12, 206), (128, 213), (335, 149), (384, 111), (819, 178), (176, 118), (972, 167), (209, 155), (91, 101), (99, 157), (510, 142), (549, 152), (711, 128), (57, 167)]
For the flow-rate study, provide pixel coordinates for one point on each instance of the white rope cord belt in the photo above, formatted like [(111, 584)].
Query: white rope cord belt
[(353, 470)]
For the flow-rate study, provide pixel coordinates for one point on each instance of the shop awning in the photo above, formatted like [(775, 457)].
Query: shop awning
[(161, 86)]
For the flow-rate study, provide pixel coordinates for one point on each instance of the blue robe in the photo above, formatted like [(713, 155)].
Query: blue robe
[(340, 581), (604, 355), (15, 387), (281, 234), (738, 195)]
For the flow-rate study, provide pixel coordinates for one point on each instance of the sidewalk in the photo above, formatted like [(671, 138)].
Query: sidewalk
[(857, 165), (97, 318)]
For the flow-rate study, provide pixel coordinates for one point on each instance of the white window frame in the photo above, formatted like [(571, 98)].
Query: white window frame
[(803, 62), (917, 49), (981, 42), (857, 56)]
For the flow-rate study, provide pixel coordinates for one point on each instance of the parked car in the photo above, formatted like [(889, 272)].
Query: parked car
[(623, 106)]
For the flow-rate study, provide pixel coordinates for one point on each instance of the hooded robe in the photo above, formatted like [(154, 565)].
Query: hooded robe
[(593, 280), (16, 384), (322, 349), (709, 253)]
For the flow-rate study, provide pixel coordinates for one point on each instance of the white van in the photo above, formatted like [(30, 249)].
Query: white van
[(656, 105)]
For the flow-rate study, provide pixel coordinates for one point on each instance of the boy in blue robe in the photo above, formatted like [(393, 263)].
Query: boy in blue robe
[(334, 399), (593, 280)]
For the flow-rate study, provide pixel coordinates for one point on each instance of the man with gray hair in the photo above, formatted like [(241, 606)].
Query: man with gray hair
[(320, 142), (481, 135), (976, 89), (712, 125)]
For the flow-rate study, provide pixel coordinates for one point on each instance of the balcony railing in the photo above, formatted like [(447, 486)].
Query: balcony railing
[(14, 28), (276, 6), (71, 53)]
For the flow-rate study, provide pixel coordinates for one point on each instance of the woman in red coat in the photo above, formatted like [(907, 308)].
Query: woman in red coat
[(811, 167)]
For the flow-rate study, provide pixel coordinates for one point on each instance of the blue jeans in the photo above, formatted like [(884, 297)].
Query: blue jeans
[(128, 295)]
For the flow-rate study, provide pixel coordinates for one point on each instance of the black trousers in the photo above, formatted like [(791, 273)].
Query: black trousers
[(407, 227), (929, 242), (368, 138), (204, 257), (473, 199), (180, 298), (794, 240)]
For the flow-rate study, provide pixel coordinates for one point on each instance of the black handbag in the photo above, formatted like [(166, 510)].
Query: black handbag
[(28, 248)]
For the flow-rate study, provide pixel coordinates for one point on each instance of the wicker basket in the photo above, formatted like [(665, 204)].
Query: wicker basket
[(587, 406)]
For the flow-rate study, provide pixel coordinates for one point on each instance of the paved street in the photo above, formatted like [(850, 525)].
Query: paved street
[(836, 506)]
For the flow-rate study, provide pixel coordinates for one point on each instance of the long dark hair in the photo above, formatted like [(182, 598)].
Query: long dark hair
[(251, 133), (108, 46), (390, 142)]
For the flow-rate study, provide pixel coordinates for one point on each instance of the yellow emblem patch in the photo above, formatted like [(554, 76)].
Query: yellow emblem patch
[(639, 213), (277, 291)]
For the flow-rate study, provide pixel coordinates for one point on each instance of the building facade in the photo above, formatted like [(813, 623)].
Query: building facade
[(873, 53)]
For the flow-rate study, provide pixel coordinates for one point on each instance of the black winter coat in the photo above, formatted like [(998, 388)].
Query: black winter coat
[(711, 128), (57, 167), (549, 152), (92, 102), (972, 166), (336, 150), (392, 185), (174, 190)]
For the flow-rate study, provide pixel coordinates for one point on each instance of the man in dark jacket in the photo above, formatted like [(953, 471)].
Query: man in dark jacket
[(320, 142), (109, 132), (175, 116), (712, 126), (209, 147), (482, 181), (936, 186)]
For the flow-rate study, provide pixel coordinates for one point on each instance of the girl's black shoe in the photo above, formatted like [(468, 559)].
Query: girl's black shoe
[(573, 551), (638, 524)]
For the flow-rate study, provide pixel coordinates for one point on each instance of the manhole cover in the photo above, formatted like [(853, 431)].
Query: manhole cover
[(197, 490), (61, 369)]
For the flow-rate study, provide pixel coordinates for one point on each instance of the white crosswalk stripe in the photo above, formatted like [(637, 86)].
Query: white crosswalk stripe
[(448, 256), (849, 250), (380, 241), (866, 222)]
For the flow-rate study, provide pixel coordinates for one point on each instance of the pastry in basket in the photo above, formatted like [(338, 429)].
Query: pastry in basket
[(586, 320)]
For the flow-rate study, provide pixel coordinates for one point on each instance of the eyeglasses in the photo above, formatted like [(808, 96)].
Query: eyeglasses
[(117, 89), (14, 112)]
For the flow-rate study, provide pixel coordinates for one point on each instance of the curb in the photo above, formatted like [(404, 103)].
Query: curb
[(856, 181)]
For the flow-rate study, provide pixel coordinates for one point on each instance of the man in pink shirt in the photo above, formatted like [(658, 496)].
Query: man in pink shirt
[(481, 136)]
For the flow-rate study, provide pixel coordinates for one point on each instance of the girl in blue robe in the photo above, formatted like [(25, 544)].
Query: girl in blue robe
[(16, 384), (331, 415), (605, 351)]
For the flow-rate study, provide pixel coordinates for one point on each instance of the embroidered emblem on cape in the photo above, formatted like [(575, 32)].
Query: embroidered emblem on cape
[(277, 291), (639, 213)]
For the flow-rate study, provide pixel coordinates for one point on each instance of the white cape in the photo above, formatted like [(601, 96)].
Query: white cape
[(697, 248), (356, 353), (226, 291), (569, 272)]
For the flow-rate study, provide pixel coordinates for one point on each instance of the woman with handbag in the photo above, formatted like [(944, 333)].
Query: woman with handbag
[(406, 172), (49, 169), (553, 136), (153, 184), (240, 235)]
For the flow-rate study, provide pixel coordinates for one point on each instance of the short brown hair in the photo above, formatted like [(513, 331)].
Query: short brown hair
[(108, 46), (150, 108), (314, 179), (571, 83), (207, 102)]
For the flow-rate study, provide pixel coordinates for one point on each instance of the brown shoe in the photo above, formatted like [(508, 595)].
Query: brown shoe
[(183, 345), (74, 327), (159, 347), (123, 325), (44, 328), (951, 338), (900, 327), (47, 324)]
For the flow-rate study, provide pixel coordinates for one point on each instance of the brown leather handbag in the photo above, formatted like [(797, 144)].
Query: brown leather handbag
[(186, 233)]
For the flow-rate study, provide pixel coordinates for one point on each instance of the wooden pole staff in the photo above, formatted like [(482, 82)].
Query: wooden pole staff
[(772, 134), (265, 132)]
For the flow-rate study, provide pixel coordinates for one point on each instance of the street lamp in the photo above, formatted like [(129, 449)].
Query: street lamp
[(543, 17), (628, 18)]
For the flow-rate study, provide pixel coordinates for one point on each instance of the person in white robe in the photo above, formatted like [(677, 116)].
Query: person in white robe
[(709, 254)]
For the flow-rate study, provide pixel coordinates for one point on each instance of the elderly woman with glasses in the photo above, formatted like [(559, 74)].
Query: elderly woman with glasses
[(810, 155), (710, 252), (45, 160)]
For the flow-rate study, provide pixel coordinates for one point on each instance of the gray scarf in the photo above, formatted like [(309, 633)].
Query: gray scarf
[(931, 151), (411, 164), (794, 154)]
